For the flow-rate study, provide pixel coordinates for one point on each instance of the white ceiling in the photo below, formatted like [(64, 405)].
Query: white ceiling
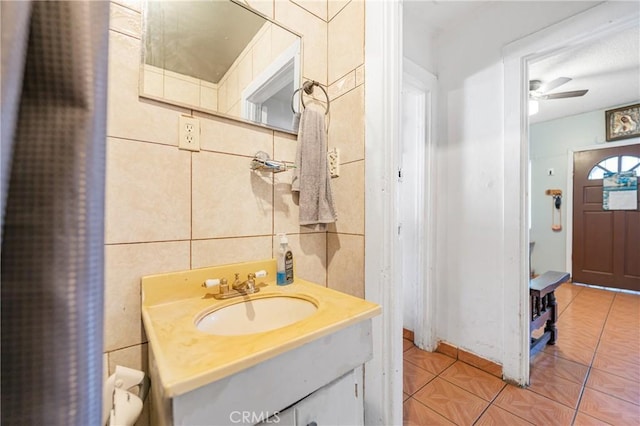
[(609, 68)]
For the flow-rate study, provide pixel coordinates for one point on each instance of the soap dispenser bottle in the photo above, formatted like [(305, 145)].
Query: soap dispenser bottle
[(284, 262)]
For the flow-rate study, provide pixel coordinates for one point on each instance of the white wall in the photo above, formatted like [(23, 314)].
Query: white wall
[(417, 40), (469, 264), (550, 142)]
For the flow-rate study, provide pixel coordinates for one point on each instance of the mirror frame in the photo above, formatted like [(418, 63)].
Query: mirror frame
[(297, 64)]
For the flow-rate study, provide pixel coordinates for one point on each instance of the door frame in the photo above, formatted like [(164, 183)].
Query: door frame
[(383, 71), (569, 197), (589, 25), (426, 83)]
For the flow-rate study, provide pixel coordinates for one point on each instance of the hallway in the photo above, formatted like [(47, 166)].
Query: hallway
[(590, 377)]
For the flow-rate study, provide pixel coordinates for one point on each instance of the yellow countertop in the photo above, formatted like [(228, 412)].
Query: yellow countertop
[(188, 358)]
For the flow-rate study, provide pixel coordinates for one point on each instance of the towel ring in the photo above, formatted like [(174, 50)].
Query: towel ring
[(307, 86)]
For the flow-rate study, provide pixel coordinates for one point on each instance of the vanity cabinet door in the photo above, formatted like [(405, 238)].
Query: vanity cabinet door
[(338, 403)]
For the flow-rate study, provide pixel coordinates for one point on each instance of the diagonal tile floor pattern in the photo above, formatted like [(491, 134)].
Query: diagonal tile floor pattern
[(590, 377)]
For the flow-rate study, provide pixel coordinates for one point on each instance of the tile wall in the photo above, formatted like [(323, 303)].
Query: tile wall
[(269, 43), (169, 210)]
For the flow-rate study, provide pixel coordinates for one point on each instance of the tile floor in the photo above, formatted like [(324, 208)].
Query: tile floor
[(590, 377)]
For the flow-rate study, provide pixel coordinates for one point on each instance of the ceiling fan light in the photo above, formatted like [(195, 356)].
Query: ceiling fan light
[(533, 107)]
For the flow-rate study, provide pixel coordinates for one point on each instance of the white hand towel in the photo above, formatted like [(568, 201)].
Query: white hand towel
[(311, 176)]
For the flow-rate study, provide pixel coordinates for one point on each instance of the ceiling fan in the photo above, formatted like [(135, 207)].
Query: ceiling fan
[(538, 91)]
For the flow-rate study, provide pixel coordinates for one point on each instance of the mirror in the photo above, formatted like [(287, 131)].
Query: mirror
[(221, 58)]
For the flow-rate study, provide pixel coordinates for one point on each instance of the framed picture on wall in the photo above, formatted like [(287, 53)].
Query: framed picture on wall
[(623, 123)]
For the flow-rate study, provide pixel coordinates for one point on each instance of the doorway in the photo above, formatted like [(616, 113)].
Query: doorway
[(588, 26), (605, 242), (414, 207)]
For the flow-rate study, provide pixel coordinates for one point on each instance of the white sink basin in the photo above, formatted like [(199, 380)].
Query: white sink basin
[(255, 315)]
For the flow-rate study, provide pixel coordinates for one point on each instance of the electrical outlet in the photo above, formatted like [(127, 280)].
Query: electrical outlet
[(189, 133), (333, 158)]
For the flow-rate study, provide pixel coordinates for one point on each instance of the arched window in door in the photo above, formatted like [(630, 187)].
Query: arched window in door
[(621, 163)]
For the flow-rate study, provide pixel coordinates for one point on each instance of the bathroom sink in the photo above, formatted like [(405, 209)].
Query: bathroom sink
[(255, 315)]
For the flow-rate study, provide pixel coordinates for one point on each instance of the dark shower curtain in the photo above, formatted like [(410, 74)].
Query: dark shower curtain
[(54, 66)]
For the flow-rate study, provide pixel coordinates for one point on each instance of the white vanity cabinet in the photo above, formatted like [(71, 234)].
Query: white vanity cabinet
[(338, 403), (320, 381)]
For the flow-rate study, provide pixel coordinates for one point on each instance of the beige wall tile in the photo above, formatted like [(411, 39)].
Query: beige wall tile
[(184, 77), (235, 110), (245, 72), (346, 131), (360, 75), (346, 40), (265, 7), (281, 40), (222, 96), (223, 135), (131, 4), (309, 255), (136, 357), (345, 258), (181, 90), (262, 51), (314, 31), (147, 192), (232, 89), (335, 6), (229, 200), (348, 196), (153, 82), (129, 117), (208, 98), (284, 146), (317, 7), (342, 85), (125, 264), (230, 250), (125, 20)]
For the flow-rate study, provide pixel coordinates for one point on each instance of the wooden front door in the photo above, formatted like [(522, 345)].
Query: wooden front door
[(606, 243)]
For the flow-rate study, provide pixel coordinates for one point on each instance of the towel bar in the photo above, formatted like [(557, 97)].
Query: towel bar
[(307, 86)]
